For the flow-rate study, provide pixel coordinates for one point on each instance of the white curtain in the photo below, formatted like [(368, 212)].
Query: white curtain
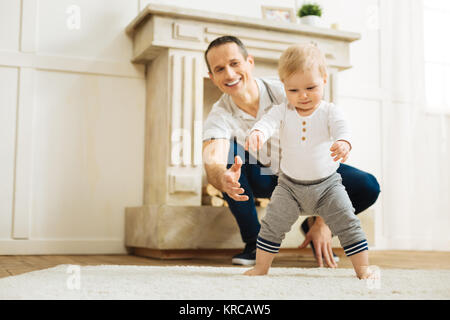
[(416, 175)]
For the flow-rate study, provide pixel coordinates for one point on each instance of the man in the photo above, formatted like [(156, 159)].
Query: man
[(243, 176)]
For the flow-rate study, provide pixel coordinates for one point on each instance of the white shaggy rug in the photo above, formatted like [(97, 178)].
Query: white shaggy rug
[(227, 283)]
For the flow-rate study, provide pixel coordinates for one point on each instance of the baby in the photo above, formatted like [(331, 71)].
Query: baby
[(314, 136)]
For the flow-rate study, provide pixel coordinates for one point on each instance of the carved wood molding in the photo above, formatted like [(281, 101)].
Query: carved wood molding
[(159, 26)]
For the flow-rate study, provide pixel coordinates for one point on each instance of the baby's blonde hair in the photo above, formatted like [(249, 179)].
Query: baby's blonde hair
[(301, 57)]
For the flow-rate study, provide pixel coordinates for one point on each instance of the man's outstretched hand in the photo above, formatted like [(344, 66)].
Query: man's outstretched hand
[(230, 181), (320, 235)]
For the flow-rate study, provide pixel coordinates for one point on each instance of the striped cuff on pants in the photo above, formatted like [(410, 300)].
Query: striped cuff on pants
[(268, 246), (356, 247)]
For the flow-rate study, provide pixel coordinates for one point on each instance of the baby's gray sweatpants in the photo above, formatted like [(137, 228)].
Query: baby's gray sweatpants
[(326, 197)]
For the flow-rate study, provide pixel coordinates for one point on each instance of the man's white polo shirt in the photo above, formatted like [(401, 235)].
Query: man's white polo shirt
[(227, 121)]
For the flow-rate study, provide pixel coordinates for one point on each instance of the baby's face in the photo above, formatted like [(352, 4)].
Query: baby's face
[(304, 90)]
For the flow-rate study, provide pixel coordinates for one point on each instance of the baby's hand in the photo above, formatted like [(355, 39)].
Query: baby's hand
[(255, 141), (340, 150)]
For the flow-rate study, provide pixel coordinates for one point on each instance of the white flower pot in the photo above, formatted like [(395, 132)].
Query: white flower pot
[(311, 21)]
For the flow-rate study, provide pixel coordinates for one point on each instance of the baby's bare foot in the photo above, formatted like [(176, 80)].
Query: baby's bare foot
[(368, 272), (255, 272)]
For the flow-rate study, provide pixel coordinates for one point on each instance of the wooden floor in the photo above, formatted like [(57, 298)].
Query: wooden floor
[(14, 265)]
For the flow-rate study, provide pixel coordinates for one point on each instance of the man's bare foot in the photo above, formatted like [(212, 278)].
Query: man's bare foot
[(255, 272)]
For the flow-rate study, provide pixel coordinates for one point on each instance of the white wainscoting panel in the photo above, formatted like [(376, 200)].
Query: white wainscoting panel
[(9, 25), (8, 118), (88, 161), (85, 29)]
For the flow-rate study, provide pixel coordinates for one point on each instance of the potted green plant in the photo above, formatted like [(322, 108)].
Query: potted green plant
[(310, 14)]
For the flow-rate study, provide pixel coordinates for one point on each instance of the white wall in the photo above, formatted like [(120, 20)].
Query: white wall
[(416, 148), (72, 125)]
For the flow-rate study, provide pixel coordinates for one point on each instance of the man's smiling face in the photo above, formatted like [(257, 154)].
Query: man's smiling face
[(230, 71)]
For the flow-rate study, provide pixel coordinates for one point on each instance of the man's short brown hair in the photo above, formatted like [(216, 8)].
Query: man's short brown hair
[(223, 40)]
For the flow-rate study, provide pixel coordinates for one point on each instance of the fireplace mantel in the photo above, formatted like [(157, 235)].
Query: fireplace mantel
[(207, 16), (159, 26), (171, 42)]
